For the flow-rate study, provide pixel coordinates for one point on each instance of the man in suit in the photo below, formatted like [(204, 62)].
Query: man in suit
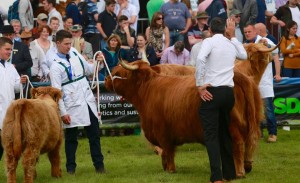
[(20, 56), (249, 12)]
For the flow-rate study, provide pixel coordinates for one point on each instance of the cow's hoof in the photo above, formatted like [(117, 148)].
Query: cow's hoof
[(171, 171), (56, 173), (248, 166)]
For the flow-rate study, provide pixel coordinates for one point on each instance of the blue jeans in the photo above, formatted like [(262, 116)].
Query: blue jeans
[(175, 36), (103, 44), (270, 116), (292, 73)]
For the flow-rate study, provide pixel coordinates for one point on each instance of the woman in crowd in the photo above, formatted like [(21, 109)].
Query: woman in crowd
[(290, 48), (141, 51), (111, 53), (43, 42), (158, 34)]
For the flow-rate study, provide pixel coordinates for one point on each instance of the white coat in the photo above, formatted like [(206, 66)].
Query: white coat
[(9, 84), (77, 95)]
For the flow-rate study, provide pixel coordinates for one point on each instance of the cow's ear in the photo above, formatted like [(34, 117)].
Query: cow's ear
[(34, 92), (56, 95)]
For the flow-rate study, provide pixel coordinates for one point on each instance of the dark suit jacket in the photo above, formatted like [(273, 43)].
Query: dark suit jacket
[(21, 58)]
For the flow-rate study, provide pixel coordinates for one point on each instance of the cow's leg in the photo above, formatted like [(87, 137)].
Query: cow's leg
[(11, 167), (30, 156), (238, 146), (250, 147), (54, 158), (168, 163)]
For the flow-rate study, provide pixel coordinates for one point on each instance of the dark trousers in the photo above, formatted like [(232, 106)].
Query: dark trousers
[(1, 148), (215, 117), (94, 39), (71, 143)]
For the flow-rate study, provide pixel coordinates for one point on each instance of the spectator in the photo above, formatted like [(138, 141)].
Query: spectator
[(17, 28), (90, 32), (125, 8), (141, 51), (26, 15), (177, 18), (196, 32), (73, 12), (290, 48), (248, 9), (10, 79), (54, 25), (196, 49), (3, 17), (286, 13), (20, 57), (42, 19), (158, 34), (109, 19), (44, 44), (68, 73), (125, 32), (262, 12), (152, 7), (235, 15), (216, 9), (49, 6), (175, 54), (78, 42), (68, 22), (111, 52), (266, 82)]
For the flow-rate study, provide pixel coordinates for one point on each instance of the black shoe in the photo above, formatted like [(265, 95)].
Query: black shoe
[(100, 170), (71, 172)]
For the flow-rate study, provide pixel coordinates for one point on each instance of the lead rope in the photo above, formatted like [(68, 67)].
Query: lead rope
[(27, 88), (95, 81)]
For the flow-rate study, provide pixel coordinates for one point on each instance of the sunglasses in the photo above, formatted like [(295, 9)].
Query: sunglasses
[(160, 18), (237, 16)]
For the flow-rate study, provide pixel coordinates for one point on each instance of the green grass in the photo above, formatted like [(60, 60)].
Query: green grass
[(129, 159)]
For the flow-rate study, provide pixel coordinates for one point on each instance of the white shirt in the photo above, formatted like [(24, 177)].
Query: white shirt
[(296, 17), (55, 13), (216, 59), (266, 82), (194, 53), (9, 84), (129, 11)]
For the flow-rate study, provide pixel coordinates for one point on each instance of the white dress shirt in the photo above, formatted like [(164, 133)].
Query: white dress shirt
[(216, 59)]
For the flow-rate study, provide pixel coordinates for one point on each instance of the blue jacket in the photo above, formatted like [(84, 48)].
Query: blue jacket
[(150, 52)]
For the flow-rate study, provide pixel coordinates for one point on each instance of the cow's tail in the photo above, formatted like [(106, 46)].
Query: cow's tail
[(17, 128)]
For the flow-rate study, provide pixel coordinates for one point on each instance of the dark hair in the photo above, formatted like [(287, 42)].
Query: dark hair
[(4, 40), (187, 3), (53, 2), (289, 25), (153, 24), (109, 2), (40, 29), (217, 25), (54, 18), (122, 17), (66, 18), (179, 45), (142, 35), (62, 34)]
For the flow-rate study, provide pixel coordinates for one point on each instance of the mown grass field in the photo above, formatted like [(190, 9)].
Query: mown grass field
[(129, 159)]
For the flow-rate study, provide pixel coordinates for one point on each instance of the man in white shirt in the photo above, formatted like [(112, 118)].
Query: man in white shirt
[(9, 79), (214, 79), (49, 6), (123, 7)]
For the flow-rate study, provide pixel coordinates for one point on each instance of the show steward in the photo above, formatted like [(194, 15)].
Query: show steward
[(171, 118)]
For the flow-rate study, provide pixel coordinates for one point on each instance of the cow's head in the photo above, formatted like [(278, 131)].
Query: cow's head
[(46, 92), (259, 52)]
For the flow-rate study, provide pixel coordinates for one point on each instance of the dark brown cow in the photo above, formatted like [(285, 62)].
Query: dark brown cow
[(171, 117)]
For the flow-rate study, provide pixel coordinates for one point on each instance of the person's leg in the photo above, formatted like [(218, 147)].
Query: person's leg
[(93, 134), (287, 72), (1, 148), (228, 167), (71, 144), (296, 73), (103, 43), (270, 118), (172, 38), (209, 115)]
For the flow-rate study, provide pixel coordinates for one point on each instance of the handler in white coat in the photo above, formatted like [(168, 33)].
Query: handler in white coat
[(78, 107), (9, 81)]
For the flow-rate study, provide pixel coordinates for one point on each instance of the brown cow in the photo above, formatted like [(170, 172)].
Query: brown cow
[(171, 117), (32, 127)]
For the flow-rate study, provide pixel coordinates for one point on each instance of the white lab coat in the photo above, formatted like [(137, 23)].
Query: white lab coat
[(77, 96), (9, 84)]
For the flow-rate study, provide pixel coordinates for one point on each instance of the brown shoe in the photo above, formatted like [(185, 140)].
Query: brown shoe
[(272, 138)]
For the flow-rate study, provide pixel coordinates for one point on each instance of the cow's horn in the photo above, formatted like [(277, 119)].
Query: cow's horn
[(126, 66), (261, 49)]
